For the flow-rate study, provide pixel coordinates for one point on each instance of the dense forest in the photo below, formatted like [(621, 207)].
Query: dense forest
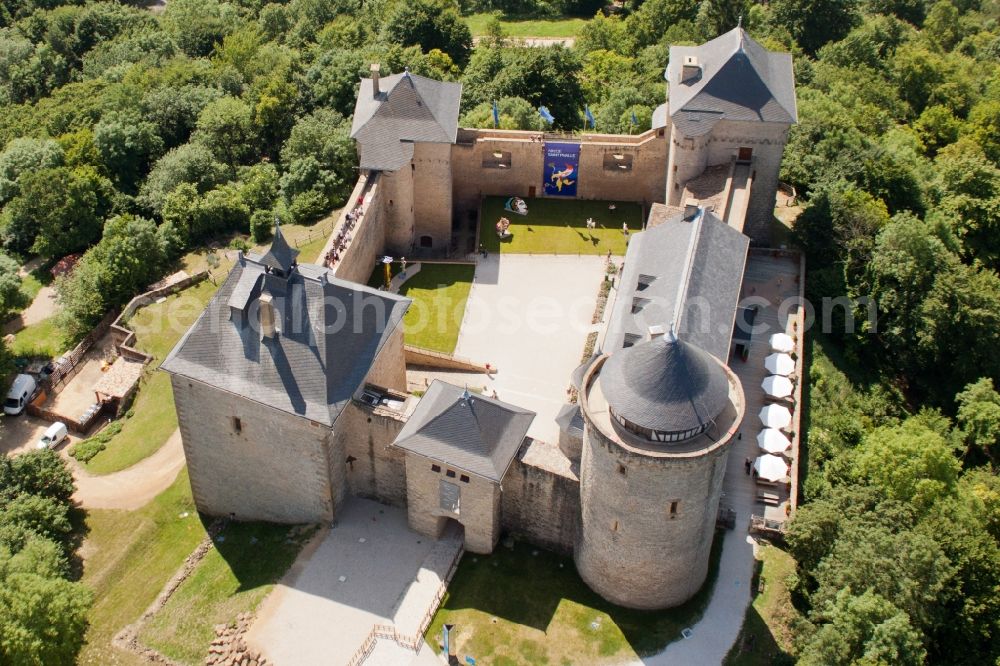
[(133, 137)]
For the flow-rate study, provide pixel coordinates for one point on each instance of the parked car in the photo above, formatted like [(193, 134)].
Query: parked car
[(20, 394), (54, 436)]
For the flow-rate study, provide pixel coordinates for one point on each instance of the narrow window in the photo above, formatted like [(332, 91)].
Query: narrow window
[(436, 468), (614, 528), (464, 478), (450, 474), (621, 469), (237, 425), (673, 509)]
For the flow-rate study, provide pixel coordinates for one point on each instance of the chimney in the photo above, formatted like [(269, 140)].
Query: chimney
[(691, 210), (691, 69), (265, 315), (375, 69)]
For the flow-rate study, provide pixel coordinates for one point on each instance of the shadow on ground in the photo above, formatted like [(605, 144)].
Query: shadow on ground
[(525, 585)]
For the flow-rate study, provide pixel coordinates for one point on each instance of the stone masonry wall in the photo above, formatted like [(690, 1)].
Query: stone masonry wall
[(432, 191), (278, 467), (540, 506), (377, 471), (523, 178), (479, 510), (397, 195), (630, 548), (369, 236)]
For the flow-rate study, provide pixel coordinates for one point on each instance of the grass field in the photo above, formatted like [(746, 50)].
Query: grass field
[(529, 606), (766, 637), (554, 226), (128, 557), (439, 293), (158, 327), (233, 577), (44, 339), (551, 28)]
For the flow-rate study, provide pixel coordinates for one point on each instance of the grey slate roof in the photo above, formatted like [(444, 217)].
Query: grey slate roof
[(408, 109), (570, 420), (740, 80), (280, 256), (692, 272), (466, 431), (665, 384), (329, 334)]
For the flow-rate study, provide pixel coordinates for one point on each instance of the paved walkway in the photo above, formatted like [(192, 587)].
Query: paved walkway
[(370, 569), (529, 315), (134, 487), (772, 279)]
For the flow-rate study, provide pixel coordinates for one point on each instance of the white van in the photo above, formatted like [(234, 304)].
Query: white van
[(20, 394), (54, 435)]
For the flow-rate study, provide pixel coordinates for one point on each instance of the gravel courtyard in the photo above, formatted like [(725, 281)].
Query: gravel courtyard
[(529, 315)]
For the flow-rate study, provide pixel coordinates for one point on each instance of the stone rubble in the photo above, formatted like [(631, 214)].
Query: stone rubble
[(229, 647)]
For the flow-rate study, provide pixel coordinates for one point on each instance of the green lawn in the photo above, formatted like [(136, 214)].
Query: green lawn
[(128, 558), (559, 226), (158, 327), (529, 606), (554, 27), (766, 637), (234, 577), (439, 293), (43, 339)]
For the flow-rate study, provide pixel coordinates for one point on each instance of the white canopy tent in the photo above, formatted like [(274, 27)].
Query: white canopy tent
[(779, 364), (782, 342), (775, 416), (777, 386), (773, 441), (771, 468)]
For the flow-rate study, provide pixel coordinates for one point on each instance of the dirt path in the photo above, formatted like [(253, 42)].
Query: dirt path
[(131, 488)]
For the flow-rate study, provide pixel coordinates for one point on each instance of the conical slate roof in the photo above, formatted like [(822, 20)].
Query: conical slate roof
[(665, 384), (280, 256)]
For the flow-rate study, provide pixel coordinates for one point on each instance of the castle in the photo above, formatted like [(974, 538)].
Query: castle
[(291, 387)]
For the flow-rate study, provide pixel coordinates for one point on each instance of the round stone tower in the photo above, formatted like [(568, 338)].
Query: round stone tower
[(659, 418)]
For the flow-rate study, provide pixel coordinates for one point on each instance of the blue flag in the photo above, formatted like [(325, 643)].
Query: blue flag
[(496, 114), (589, 116), (546, 116), (635, 121)]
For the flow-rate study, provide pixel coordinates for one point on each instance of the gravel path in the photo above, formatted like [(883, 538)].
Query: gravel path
[(134, 487)]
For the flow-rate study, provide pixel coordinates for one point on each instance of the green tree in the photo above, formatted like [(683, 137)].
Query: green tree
[(11, 296), (191, 163), (979, 416), (197, 25), (22, 155), (58, 210), (863, 629), (127, 146), (942, 25), (910, 463), (42, 620), (226, 127), (813, 23), (431, 24), (43, 473), (515, 114)]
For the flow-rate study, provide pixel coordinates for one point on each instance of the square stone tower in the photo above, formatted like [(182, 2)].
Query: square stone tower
[(730, 101)]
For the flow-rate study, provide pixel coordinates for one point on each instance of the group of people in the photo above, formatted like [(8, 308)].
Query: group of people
[(503, 227), (343, 238)]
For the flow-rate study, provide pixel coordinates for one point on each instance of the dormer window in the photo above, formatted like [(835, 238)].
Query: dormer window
[(644, 281)]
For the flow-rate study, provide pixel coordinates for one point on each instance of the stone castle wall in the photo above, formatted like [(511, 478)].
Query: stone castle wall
[(275, 467), (689, 157), (432, 193), (369, 239), (479, 506), (540, 505), (476, 173)]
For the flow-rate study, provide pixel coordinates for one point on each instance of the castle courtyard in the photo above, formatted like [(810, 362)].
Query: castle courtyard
[(529, 316)]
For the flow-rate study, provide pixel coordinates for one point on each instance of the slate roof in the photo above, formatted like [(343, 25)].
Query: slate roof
[(408, 109), (329, 333), (280, 256), (681, 274), (740, 80), (665, 384), (470, 432)]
